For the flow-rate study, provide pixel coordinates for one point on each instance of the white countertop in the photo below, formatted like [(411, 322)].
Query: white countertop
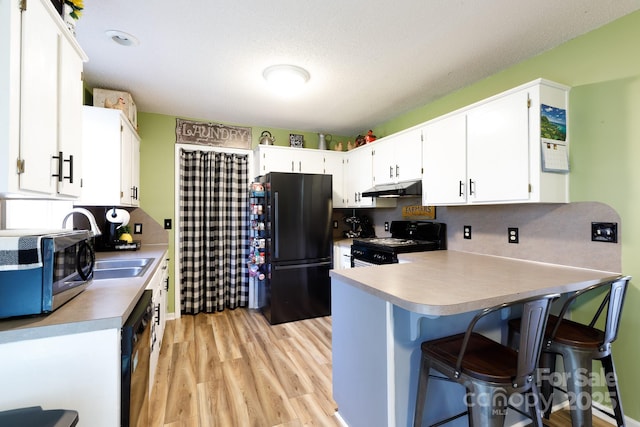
[(452, 282), (104, 304)]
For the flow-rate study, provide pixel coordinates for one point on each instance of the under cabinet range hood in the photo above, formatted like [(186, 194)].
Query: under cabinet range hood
[(400, 189)]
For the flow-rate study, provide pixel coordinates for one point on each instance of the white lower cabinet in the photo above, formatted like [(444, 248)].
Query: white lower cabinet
[(76, 371), (111, 161), (341, 256), (491, 151), (159, 285)]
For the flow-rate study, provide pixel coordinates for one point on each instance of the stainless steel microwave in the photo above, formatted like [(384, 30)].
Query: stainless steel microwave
[(42, 270)]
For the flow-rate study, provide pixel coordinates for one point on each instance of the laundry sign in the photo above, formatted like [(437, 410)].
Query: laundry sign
[(217, 135)]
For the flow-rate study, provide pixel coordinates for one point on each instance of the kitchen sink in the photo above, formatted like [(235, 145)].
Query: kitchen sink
[(105, 264), (120, 268)]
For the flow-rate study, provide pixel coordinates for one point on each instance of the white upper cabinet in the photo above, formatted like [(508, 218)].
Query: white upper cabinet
[(359, 178), (42, 66), (334, 165), (498, 150), (491, 152), (398, 157), (111, 159), (272, 158), (359, 174), (444, 181)]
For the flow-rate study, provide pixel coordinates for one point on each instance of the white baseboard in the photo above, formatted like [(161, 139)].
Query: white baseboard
[(628, 422), (341, 420)]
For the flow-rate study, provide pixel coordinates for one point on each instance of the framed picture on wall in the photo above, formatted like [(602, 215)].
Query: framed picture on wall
[(296, 140)]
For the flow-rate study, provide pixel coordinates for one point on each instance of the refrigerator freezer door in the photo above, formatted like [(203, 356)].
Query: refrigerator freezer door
[(298, 292), (301, 208)]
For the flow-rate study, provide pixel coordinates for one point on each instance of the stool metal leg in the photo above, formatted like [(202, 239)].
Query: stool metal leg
[(533, 403), (578, 368), (547, 365), (421, 396), (614, 391), (487, 405)]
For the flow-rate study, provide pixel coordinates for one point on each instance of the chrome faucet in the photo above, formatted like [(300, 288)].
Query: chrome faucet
[(95, 230)]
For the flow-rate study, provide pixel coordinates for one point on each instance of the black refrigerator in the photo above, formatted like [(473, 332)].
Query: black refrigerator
[(298, 246)]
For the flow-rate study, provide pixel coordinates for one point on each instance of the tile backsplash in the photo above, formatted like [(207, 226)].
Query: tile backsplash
[(553, 233)]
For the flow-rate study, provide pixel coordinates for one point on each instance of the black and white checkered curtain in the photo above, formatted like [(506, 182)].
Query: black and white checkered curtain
[(213, 231)]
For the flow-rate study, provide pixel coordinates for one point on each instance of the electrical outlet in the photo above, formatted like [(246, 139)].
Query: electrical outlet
[(167, 224), (335, 224), (604, 232), (513, 235), (466, 231), (137, 228), (386, 226)]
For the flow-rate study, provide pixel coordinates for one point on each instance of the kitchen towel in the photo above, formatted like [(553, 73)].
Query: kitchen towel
[(20, 252)]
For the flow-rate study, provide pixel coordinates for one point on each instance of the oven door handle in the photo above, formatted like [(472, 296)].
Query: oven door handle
[(85, 249)]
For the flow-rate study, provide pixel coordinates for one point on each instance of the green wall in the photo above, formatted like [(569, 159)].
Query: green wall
[(603, 69)]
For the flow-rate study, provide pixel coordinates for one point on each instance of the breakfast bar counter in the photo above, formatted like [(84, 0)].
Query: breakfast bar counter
[(381, 314)]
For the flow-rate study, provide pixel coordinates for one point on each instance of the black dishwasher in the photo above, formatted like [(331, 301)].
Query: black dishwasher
[(135, 349)]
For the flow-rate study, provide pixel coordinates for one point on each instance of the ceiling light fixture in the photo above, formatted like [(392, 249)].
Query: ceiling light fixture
[(122, 38), (286, 79)]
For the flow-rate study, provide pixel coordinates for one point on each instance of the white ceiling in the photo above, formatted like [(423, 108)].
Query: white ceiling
[(369, 60)]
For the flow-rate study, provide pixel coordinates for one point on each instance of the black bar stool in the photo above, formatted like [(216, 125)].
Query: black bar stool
[(579, 345), (35, 416), (491, 372)]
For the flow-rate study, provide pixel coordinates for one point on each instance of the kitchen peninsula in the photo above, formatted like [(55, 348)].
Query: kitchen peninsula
[(381, 314)]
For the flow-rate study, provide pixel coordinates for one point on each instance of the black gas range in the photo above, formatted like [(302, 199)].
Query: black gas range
[(406, 236)]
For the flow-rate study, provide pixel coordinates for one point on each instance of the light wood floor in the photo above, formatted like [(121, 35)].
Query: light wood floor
[(233, 369)]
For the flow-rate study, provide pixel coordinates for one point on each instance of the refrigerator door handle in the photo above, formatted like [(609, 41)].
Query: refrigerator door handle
[(309, 265), (276, 219)]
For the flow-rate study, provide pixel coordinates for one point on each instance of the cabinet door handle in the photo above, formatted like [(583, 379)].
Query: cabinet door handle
[(60, 159), (300, 166), (70, 161), (397, 171), (390, 171), (461, 188), (292, 166), (472, 187), (157, 314)]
